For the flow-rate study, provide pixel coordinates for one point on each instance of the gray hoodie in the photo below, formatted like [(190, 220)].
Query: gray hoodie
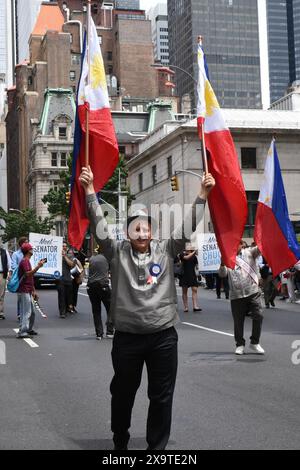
[(138, 306)]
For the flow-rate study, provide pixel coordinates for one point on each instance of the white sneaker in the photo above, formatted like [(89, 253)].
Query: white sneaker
[(240, 350), (257, 348), (297, 301)]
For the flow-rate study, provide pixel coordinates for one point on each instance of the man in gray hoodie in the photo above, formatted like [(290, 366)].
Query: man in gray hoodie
[(245, 296), (144, 313)]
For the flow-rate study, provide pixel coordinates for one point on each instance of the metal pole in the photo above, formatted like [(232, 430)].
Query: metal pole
[(203, 146), (87, 112)]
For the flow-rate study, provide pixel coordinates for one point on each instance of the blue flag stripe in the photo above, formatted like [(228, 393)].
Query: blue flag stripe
[(280, 208)]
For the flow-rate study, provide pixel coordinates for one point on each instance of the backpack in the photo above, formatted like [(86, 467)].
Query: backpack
[(14, 282)]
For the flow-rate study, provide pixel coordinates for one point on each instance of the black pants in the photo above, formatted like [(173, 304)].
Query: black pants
[(129, 353), (75, 288), (219, 281), (65, 296), (269, 290), (239, 308), (98, 294)]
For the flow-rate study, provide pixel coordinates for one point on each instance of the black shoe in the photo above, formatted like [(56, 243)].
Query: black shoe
[(218, 296), (267, 305), (2, 317), (62, 316), (22, 336), (32, 333), (272, 303), (197, 309), (99, 337)]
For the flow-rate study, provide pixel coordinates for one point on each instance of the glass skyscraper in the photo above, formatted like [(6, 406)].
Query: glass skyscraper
[(231, 43), (283, 18)]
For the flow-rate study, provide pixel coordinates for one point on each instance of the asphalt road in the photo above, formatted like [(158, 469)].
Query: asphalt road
[(56, 395)]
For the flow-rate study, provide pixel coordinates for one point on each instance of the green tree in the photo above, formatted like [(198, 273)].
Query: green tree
[(18, 224), (113, 185), (55, 199)]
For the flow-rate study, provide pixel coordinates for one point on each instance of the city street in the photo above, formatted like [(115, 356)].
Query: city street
[(56, 395)]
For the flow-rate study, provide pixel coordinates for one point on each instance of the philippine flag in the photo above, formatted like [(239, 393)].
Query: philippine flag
[(103, 147), (227, 201), (274, 233)]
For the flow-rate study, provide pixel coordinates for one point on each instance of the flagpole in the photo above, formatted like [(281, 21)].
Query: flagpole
[(203, 146), (87, 111)]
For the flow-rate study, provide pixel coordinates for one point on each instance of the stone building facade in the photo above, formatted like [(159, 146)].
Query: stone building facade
[(175, 146)]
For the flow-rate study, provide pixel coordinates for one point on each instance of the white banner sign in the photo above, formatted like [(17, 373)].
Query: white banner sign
[(47, 246), (209, 256)]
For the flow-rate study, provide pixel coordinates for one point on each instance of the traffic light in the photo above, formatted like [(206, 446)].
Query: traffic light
[(68, 197), (174, 183)]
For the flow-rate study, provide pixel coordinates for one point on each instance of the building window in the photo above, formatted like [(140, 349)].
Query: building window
[(62, 132), (53, 159), (252, 198), (248, 157), (169, 164), (63, 159), (75, 59), (109, 55), (72, 75), (140, 182), (154, 174)]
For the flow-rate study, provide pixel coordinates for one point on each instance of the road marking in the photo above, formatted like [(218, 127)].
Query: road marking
[(29, 341), (207, 329), (84, 295)]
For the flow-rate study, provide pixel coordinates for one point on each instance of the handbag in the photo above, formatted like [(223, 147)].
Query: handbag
[(178, 268)]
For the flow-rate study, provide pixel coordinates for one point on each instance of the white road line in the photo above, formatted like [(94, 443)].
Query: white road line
[(84, 295), (207, 329), (29, 341)]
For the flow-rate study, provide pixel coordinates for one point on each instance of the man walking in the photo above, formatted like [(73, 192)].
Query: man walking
[(26, 290), (64, 286), (16, 258), (5, 270), (99, 292), (245, 296), (144, 312)]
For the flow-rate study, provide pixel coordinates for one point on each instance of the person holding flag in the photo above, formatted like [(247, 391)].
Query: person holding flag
[(144, 313), (227, 202), (95, 142), (245, 296), (274, 233)]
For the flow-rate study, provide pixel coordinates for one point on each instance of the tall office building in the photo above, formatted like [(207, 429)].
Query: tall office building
[(6, 42), (160, 36), (283, 19), (26, 15), (231, 42)]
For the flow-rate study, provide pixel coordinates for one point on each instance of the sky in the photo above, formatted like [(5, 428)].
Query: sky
[(147, 4)]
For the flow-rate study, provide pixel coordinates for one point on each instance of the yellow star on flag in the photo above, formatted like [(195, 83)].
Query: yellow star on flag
[(98, 78)]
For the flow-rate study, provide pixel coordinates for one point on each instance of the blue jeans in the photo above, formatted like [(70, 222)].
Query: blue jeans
[(27, 314)]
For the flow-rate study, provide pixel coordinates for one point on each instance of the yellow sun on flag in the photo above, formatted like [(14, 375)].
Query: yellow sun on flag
[(210, 99), (267, 200), (98, 78)]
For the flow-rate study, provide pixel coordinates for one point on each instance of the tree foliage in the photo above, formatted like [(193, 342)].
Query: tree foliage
[(19, 224)]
